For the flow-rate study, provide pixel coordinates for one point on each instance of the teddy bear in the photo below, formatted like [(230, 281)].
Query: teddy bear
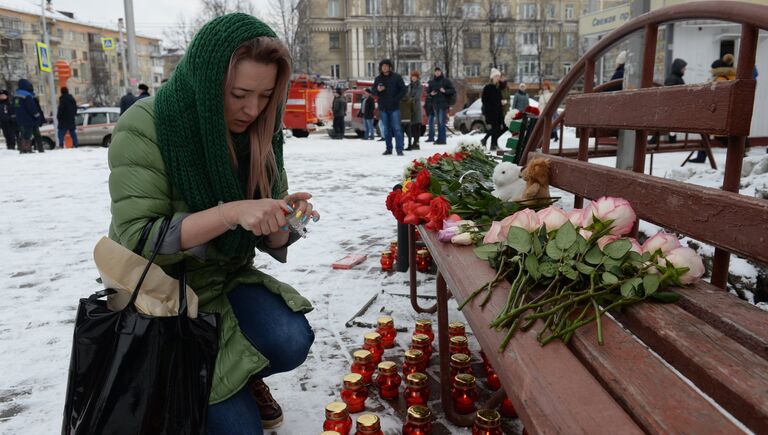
[(506, 179), (536, 177)]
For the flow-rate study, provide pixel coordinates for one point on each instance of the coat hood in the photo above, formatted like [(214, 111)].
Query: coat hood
[(677, 66), (387, 62), (26, 85)]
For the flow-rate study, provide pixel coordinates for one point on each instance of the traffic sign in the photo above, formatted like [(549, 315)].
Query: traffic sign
[(43, 57), (107, 44)]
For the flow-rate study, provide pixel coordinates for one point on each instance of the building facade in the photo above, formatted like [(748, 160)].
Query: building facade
[(529, 41), (97, 74)]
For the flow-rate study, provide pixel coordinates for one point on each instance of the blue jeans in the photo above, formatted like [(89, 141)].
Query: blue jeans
[(369, 131), (280, 334), (72, 134), (431, 126), (441, 120), (391, 119)]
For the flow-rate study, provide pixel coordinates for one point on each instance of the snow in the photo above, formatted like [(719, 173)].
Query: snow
[(55, 207)]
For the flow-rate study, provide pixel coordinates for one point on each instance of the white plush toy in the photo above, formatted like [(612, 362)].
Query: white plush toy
[(509, 185)]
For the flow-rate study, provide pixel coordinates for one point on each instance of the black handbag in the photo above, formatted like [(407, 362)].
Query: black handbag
[(132, 373)]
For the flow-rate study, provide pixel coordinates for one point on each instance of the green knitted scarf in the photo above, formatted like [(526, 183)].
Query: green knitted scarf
[(192, 131)]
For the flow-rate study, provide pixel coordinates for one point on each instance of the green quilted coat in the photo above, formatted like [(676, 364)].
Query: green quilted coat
[(140, 191)]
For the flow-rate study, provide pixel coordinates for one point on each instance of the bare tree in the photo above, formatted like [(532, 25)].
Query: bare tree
[(498, 22), (451, 24), (283, 17), (181, 35), (392, 13)]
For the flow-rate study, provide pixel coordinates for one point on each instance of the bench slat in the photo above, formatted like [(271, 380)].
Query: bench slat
[(551, 389), (690, 209), (731, 374), (721, 108), (742, 322)]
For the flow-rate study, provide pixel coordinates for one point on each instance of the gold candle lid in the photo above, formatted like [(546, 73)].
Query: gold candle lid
[(353, 380), (372, 338), (362, 355), (416, 379), (329, 432), (464, 380), (460, 359), (368, 421), (422, 251), (488, 418), (386, 253), (336, 410), (424, 323), (385, 321), (420, 338), (456, 325), (460, 340), (393, 242), (419, 414), (387, 367), (413, 355)]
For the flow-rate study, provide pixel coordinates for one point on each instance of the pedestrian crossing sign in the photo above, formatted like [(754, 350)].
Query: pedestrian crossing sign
[(107, 44), (43, 57)]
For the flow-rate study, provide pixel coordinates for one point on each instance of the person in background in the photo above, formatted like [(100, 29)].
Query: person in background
[(544, 97), (507, 90), (28, 114), (722, 70), (66, 116), (367, 108), (127, 101), (406, 107), (144, 91), (618, 73), (492, 109), (430, 118), (8, 120), (414, 92), (339, 109), (389, 88), (520, 101), (676, 73), (442, 91)]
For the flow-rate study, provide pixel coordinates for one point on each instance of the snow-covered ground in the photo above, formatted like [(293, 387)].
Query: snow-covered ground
[(55, 206)]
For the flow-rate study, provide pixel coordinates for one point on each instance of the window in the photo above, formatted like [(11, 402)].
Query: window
[(472, 40), (82, 37), (334, 41), (77, 90), (472, 70), (529, 38), (85, 55), (441, 7), (97, 118), (335, 71), (550, 40), (409, 38), (500, 40), (568, 12), (550, 11), (371, 69), (409, 7), (569, 40), (113, 117), (74, 54), (75, 73), (472, 10), (503, 67), (333, 8), (549, 69), (406, 66), (499, 10), (437, 39), (566, 67), (528, 10), (526, 67), (79, 118), (368, 35), (60, 32), (371, 4), (63, 53), (156, 79)]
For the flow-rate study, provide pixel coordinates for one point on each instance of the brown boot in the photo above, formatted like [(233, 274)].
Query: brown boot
[(271, 413)]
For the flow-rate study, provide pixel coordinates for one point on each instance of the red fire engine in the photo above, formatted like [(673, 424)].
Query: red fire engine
[(308, 106)]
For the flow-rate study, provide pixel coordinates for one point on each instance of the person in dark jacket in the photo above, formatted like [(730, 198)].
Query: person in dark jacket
[(367, 109), (390, 89), (28, 114), (8, 120), (618, 73), (127, 101), (339, 109), (66, 116), (414, 92), (442, 92), (144, 91), (676, 73), (430, 118), (492, 109)]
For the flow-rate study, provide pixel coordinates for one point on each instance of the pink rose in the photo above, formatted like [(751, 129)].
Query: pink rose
[(585, 233), (661, 241), (635, 245), (446, 234), (602, 241), (462, 239), (552, 217), (687, 257), (580, 217), (494, 233), (616, 209), (525, 219)]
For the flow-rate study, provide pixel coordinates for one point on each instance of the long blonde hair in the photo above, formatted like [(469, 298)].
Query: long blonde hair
[(263, 168)]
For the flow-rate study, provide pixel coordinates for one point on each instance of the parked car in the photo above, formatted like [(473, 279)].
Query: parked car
[(93, 126), (472, 117)]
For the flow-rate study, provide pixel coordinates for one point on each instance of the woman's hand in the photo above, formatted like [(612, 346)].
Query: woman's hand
[(299, 201), (259, 216)]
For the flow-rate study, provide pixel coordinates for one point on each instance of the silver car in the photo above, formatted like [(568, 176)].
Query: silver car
[(93, 127)]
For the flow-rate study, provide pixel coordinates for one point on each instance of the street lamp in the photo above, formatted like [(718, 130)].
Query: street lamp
[(51, 85)]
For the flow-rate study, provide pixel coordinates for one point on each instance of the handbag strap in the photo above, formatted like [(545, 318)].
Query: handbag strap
[(158, 242), (144, 236)]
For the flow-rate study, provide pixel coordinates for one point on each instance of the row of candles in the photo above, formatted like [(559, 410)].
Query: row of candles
[(423, 258), (419, 418)]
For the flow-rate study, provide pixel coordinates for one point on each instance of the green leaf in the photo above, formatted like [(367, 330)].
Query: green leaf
[(594, 255), (617, 249), (616, 270), (628, 290), (635, 257), (666, 297), (569, 272), (486, 252), (548, 269), (583, 268), (572, 251), (581, 242), (553, 251), (532, 266), (566, 236), (651, 283), (538, 248), (609, 278), (519, 240)]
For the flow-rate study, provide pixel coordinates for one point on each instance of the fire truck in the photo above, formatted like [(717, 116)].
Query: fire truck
[(309, 104)]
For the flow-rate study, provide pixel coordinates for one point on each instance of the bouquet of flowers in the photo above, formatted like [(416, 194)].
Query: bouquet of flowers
[(570, 268)]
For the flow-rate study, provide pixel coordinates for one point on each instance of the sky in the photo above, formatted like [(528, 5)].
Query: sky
[(152, 16)]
